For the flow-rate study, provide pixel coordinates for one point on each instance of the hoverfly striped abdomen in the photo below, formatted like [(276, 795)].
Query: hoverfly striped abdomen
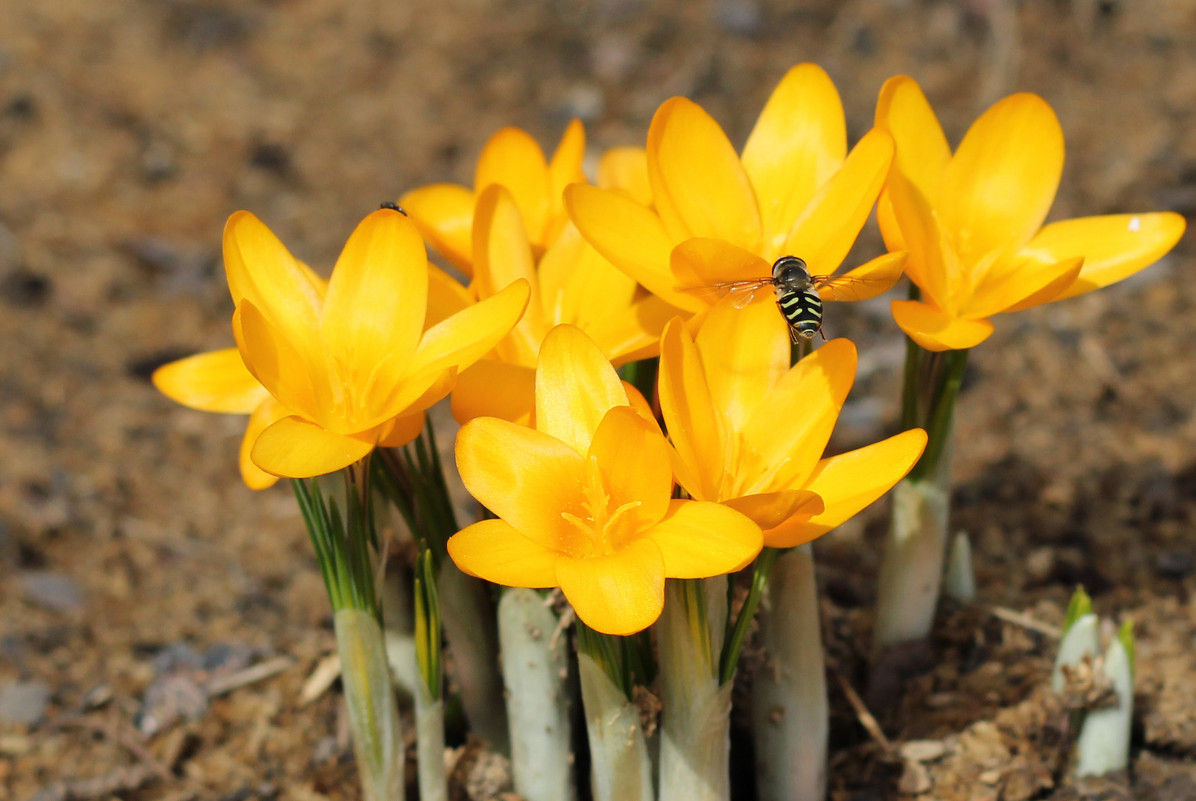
[(802, 309), (799, 302)]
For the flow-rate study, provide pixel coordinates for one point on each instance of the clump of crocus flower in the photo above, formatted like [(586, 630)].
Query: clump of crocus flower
[(621, 510)]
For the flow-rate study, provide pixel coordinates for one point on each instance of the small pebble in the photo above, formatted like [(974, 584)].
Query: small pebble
[(915, 779), (23, 703), (741, 17), (923, 750), (53, 591)]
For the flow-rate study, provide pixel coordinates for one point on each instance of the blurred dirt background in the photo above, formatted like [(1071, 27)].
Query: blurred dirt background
[(136, 570)]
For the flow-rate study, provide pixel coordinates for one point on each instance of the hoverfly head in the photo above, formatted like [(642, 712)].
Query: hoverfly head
[(790, 271)]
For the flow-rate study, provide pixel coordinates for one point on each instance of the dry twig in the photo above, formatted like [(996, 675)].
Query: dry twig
[(863, 715)]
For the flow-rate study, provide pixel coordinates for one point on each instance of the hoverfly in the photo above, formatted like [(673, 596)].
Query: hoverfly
[(797, 294)]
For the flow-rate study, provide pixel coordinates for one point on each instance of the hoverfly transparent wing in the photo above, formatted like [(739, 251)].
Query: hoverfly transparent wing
[(744, 292), (846, 288)]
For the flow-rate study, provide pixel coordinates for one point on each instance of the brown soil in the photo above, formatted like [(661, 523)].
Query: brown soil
[(135, 569)]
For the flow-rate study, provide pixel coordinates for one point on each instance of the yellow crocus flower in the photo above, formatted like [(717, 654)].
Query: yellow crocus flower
[(584, 499), (972, 221), (795, 191), (511, 159), (330, 370), (570, 284), (750, 431)]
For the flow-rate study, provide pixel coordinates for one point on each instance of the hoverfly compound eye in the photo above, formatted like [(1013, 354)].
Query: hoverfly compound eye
[(788, 270)]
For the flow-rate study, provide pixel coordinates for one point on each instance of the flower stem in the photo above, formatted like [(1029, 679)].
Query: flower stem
[(911, 570), (696, 730), (945, 378), (429, 706), (620, 765), (398, 627), (373, 715), (736, 637), (535, 669), (789, 702), (415, 481), (469, 625)]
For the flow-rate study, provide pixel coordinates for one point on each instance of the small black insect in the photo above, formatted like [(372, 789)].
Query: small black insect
[(392, 206)]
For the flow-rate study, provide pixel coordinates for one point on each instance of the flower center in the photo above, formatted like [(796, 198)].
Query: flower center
[(604, 530)]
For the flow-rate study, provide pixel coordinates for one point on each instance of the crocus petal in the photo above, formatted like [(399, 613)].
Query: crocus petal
[(922, 151), (700, 263), (701, 539), (427, 389), (832, 220), (770, 509), (490, 388), (633, 333), (621, 593), (578, 286), (493, 550), (698, 183), (564, 168), (503, 255), (779, 451), (1063, 280), (998, 188), (403, 430), (868, 280), (689, 413), (744, 351), (461, 340), (1114, 246), (444, 215), (211, 382), (377, 298), (920, 232), (640, 405), (626, 168), (297, 448), (886, 218), (575, 387), (629, 235), (936, 330), (513, 159), (284, 370), (268, 412), (261, 270), (526, 478), (446, 296), (849, 482), (1028, 281), (634, 459), (798, 142)]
